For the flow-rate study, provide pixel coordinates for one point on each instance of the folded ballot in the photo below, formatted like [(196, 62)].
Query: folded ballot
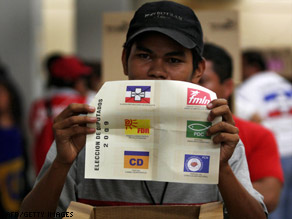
[(152, 130)]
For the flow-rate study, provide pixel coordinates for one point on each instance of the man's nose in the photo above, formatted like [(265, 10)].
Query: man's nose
[(158, 69)]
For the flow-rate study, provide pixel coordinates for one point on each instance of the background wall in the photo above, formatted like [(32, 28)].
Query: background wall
[(19, 42), (89, 25), (58, 26)]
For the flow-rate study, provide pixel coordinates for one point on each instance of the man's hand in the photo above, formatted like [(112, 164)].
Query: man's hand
[(70, 131), (225, 132), (70, 134)]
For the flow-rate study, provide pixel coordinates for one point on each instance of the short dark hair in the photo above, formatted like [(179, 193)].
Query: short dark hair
[(3, 71), (222, 62), (48, 62), (254, 58), (196, 57)]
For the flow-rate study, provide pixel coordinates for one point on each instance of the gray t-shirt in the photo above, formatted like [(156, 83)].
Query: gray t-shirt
[(100, 192)]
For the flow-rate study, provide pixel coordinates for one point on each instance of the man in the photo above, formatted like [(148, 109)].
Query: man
[(260, 144), (164, 41), (267, 98), (66, 84)]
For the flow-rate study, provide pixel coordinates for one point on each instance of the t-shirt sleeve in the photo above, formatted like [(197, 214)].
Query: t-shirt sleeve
[(69, 190), (264, 160), (239, 167)]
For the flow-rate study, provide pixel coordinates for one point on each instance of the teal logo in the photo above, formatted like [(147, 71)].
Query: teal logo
[(198, 129)]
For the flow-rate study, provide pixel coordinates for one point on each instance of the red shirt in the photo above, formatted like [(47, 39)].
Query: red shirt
[(41, 124), (261, 150)]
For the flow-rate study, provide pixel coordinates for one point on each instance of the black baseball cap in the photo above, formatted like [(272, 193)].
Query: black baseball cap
[(172, 19)]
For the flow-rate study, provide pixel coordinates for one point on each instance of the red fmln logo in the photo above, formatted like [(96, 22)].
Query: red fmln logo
[(198, 97)]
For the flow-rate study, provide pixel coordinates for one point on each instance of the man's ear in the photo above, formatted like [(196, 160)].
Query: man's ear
[(124, 62), (228, 88), (199, 72)]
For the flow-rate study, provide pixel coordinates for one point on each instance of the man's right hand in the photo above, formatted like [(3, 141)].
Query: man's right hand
[(70, 134), (70, 131)]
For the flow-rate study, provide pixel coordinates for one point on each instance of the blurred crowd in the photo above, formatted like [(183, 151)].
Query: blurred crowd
[(265, 97), (69, 80)]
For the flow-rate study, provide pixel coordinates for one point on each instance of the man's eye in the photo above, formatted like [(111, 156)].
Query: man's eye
[(174, 60), (143, 56)]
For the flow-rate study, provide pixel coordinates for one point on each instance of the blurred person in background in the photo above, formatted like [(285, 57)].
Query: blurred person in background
[(266, 97), (13, 160), (94, 79), (67, 83), (260, 144)]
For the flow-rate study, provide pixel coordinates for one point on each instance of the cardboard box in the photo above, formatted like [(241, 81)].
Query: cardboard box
[(205, 211)]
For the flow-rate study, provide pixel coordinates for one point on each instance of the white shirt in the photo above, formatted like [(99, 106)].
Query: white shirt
[(269, 95)]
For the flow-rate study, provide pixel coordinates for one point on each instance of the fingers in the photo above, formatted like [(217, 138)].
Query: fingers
[(74, 130), (74, 109), (222, 127), (227, 136), (70, 131), (219, 107), (226, 139), (69, 123), (225, 132), (74, 120)]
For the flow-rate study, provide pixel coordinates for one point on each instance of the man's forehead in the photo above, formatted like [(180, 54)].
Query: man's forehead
[(210, 69), (158, 40)]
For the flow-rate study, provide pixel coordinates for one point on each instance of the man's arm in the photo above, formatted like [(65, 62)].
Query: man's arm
[(270, 188), (239, 203), (45, 195), (70, 134), (260, 150)]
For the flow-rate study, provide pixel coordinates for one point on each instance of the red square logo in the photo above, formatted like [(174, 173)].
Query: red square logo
[(198, 97)]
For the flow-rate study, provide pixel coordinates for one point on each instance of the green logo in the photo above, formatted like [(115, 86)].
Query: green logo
[(198, 129)]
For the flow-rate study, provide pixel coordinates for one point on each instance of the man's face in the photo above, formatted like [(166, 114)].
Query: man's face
[(211, 81), (156, 56), (247, 70)]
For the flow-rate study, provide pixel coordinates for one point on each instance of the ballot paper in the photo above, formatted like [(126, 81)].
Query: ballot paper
[(152, 130)]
